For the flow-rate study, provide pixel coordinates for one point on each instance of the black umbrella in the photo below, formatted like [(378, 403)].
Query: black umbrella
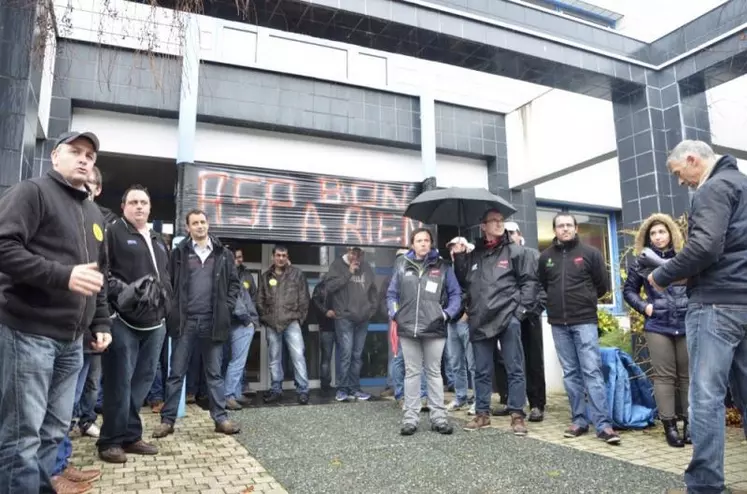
[(456, 206)]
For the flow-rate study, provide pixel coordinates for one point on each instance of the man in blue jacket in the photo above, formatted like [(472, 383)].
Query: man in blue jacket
[(714, 263)]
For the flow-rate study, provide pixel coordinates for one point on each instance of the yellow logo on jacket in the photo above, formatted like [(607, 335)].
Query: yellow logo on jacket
[(98, 233), (273, 282), (246, 285)]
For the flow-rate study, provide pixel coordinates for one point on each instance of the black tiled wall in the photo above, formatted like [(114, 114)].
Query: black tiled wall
[(20, 80), (469, 131), (105, 77), (307, 105), (649, 122)]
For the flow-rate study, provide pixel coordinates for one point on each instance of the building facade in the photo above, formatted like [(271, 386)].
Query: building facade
[(313, 124)]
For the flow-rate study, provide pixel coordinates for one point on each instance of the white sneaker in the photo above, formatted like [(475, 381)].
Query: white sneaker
[(471, 410), (92, 431), (454, 406)]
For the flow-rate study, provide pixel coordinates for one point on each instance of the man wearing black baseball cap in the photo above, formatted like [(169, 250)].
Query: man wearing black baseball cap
[(70, 137), (52, 259)]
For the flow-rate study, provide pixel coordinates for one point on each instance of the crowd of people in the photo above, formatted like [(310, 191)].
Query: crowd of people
[(89, 298)]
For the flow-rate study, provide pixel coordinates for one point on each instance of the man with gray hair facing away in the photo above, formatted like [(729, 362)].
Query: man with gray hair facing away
[(714, 263)]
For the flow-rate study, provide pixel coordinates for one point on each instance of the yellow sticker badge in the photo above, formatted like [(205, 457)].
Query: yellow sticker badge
[(98, 232), (246, 284), (273, 282)]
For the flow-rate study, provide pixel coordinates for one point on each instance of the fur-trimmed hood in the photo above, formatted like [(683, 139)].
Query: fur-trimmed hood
[(642, 240)]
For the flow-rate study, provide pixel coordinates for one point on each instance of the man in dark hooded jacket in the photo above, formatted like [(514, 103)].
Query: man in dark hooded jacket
[(354, 299), (500, 279)]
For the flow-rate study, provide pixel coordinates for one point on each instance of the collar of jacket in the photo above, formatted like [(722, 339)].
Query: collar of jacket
[(134, 231), (567, 245), (727, 161), (187, 241), (429, 258), (483, 246), (664, 254), (78, 194)]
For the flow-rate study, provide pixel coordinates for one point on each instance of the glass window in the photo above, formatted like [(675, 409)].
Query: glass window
[(593, 229)]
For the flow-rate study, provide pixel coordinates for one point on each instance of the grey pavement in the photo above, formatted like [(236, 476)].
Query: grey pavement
[(356, 447)]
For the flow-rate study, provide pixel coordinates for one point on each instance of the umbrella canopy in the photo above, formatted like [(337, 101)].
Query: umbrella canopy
[(456, 206)]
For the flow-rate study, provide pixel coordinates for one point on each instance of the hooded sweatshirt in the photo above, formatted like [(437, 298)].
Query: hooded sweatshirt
[(352, 296)]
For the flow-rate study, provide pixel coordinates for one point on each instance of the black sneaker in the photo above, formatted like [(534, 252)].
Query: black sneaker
[(408, 430), (303, 399), (609, 436), (273, 397), (443, 428), (536, 415)]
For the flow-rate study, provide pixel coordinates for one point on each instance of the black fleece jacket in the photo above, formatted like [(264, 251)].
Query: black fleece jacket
[(47, 228)]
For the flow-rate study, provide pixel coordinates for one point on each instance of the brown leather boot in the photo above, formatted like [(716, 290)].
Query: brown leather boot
[(62, 485), (81, 476), (114, 454), (141, 448), (518, 425), (163, 430), (227, 427), (480, 421)]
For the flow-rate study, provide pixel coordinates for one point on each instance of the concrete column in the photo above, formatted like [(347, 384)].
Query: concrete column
[(428, 135)]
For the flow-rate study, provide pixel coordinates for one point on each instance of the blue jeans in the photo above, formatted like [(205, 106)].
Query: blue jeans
[(129, 366), (351, 338), (87, 390), (717, 344), (294, 340), (578, 351), (513, 355), (195, 338), (235, 352), (327, 344), (65, 449), (196, 385), (397, 366), (37, 391), (461, 358), (448, 371)]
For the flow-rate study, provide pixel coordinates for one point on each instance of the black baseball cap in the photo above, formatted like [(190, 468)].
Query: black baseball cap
[(69, 137)]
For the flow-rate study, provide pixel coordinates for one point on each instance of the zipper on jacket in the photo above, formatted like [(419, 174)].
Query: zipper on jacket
[(417, 303), (562, 287), (88, 259)]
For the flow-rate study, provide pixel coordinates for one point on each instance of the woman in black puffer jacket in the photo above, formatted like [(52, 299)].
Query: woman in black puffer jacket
[(657, 241)]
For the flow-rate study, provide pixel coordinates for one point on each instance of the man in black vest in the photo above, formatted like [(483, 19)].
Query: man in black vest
[(51, 260), (137, 259), (206, 285)]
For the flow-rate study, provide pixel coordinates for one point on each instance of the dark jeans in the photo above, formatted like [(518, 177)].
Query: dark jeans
[(159, 382), (717, 345), (87, 390), (37, 390), (534, 360), (327, 344), (196, 384), (129, 366), (350, 339), (196, 336), (513, 355)]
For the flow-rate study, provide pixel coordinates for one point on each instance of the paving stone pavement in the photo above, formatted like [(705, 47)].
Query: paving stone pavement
[(194, 459), (645, 447)]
